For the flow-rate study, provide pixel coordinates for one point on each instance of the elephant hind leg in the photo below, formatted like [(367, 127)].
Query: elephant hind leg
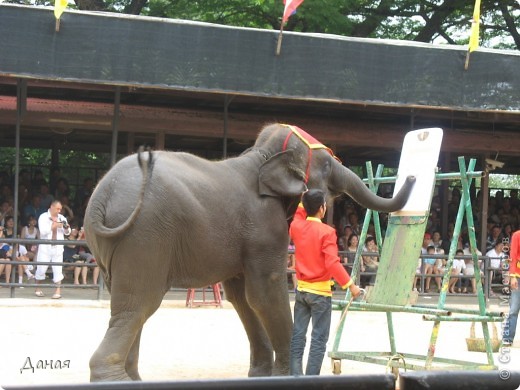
[(132, 361), (108, 363), (261, 357), (116, 358)]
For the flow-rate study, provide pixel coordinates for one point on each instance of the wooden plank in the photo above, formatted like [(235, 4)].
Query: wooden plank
[(406, 227)]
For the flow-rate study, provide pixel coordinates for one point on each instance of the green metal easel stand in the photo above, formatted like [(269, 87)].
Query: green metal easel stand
[(392, 291)]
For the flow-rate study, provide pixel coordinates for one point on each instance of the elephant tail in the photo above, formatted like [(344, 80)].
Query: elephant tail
[(97, 224)]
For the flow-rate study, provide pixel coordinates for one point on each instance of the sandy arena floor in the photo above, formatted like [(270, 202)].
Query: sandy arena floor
[(197, 343)]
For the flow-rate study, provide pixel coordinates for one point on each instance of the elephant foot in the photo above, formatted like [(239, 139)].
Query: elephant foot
[(103, 371), (134, 376), (281, 367), (281, 371), (268, 371), (259, 371), (109, 376)]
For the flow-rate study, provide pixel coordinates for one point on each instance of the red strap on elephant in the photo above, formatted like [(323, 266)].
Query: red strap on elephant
[(310, 141)]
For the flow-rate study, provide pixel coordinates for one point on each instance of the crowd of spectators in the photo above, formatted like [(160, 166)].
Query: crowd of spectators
[(35, 194), (503, 220)]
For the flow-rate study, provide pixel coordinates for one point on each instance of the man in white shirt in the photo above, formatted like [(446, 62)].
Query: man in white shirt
[(53, 226), (496, 255)]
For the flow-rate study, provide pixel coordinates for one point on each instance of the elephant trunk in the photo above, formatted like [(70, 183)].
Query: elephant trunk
[(346, 181)]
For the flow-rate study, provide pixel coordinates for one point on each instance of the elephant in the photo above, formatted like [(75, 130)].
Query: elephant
[(159, 219)]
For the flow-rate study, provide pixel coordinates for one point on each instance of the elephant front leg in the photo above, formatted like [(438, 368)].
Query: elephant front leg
[(261, 356), (269, 298)]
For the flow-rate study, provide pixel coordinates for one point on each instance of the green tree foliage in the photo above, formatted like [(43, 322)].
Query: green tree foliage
[(445, 21), (75, 165), (42, 157), (504, 182), (439, 21)]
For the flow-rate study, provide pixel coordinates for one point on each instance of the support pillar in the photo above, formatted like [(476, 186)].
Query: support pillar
[(130, 143), (484, 200), (115, 125), (160, 138)]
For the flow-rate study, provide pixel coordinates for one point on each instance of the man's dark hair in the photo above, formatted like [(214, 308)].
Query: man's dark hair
[(312, 201), (369, 238)]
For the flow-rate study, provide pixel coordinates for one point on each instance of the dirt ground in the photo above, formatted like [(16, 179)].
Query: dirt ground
[(197, 343)]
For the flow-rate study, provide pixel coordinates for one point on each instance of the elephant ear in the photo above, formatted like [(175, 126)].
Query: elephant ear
[(282, 176)]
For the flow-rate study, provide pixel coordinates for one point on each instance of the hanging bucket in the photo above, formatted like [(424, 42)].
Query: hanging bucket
[(478, 344)]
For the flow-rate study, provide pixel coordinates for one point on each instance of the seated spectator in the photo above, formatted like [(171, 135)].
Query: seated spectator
[(342, 242), (437, 242), (446, 242), (418, 272), (456, 270), (439, 269), (352, 247), (74, 254), (429, 264), (70, 251), (45, 196), (9, 227), (470, 280), (25, 178), (6, 210), (427, 241), (507, 232), (369, 262), (496, 256), (34, 208), (66, 210), (83, 193), (31, 232), (4, 249), (24, 196), (88, 258), (493, 237), (371, 231), (37, 181), (434, 223), (6, 193), (353, 220), (61, 189), (470, 269), (21, 255)]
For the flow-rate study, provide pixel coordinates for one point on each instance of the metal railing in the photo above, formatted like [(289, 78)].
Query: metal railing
[(14, 265), (486, 270)]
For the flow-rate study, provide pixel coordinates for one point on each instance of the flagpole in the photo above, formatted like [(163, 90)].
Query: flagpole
[(57, 25), (279, 44), (466, 65)]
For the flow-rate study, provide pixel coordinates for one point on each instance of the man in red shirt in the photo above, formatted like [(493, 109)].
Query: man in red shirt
[(317, 261), (508, 333)]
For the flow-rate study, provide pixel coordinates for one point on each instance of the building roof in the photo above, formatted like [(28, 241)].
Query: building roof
[(176, 77)]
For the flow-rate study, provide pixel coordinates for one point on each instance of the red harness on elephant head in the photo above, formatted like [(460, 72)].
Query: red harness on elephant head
[(310, 141)]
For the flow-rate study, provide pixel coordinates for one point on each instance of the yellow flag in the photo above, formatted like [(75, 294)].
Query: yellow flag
[(59, 7), (475, 23)]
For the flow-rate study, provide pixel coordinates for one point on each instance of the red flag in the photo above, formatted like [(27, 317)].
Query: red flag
[(290, 8)]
